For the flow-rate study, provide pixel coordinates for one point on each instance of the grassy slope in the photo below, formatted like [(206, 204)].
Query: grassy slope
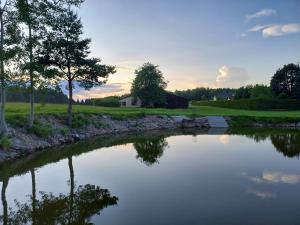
[(23, 109)]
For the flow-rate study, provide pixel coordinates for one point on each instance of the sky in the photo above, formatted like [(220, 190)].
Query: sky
[(195, 43)]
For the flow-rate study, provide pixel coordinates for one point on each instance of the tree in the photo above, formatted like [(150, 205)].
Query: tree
[(9, 40), (31, 14), (66, 55), (149, 150), (286, 81), (243, 92), (149, 85), (260, 91)]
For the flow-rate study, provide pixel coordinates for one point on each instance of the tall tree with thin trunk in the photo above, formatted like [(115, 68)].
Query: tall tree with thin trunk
[(66, 52), (9, 40)]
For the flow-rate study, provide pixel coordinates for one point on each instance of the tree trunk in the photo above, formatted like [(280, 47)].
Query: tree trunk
[(70, 103), (33, 196), (31, 117), (4, 201), (3, 126), (72, 187)]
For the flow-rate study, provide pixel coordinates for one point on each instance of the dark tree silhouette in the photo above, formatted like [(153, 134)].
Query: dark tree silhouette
[(287, 144), (4, 218), (149, 150), (286, 81)]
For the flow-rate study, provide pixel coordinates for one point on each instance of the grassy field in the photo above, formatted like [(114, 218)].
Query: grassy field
[(23, 109)]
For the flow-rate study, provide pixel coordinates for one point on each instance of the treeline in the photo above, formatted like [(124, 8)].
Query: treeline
[(110, 101), (42, 42), (42, 95), (202, 94)]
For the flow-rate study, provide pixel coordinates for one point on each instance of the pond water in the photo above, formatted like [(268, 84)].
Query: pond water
[(195, 177)]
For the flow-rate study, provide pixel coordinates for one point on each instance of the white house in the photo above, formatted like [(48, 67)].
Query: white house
[(131, 102)]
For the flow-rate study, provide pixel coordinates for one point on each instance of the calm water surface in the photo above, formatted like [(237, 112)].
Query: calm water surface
[(159, 178)]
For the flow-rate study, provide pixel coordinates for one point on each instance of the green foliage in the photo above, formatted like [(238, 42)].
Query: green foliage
[(64, 131), (5, 143), (248, 121), (149, 85), (243, 93), (287, 80), (203, 94), (17, 121), (111, 101), (261, 91), (19, 93), (255, 104), (80, 120), (41, 130)]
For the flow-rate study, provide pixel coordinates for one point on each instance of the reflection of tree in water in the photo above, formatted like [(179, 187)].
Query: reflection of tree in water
[(287, 144), (149, 150), (88, 200), (76, 208)]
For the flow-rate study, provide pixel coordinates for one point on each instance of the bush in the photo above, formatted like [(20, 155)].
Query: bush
[(5, 143), (111, 101), (17, 120), (80, 121), (41, 130), (64, 131), (254, 104)]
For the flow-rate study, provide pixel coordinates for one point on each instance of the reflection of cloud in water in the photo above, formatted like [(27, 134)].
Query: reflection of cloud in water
[(262, 194), (275, 177), (224, 139)]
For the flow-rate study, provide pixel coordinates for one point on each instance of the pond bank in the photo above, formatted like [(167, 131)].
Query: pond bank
[(51, 131)]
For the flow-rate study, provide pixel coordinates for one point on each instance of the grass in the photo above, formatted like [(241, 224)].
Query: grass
[(22, 109)]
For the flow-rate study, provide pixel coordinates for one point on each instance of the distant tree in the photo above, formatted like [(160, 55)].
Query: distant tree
[(9, 48), (149, 85), (286, 81), (66, 55), (261, 91), (243, 92)]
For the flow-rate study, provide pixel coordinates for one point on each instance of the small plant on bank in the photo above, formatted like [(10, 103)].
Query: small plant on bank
[(100, 125), (64, 131), (5, 143), (41, 130), (17, 121), (80, 121)]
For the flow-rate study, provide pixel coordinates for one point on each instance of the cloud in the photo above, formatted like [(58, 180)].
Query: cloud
[(224, 139), (97, 92), (261, 13), (275, 30), (280, 30), (258, 28), (262, 194), (275, 178), (232, 77)]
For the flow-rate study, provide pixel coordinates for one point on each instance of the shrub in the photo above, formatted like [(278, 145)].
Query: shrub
[(5, 143), (255, 104), (80, 121), (41, 130), (17, 120), (111, 101), (64, 131)]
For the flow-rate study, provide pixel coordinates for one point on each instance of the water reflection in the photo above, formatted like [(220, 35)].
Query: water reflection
[(149, 150), (75, 208), (286, 142)]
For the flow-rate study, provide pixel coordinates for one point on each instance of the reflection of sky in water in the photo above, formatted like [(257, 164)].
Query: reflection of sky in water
[(195, 180)]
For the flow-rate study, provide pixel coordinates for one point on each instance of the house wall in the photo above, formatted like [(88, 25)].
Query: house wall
[(129, 102)]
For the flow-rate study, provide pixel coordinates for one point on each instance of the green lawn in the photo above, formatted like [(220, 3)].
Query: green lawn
[(23, 108)]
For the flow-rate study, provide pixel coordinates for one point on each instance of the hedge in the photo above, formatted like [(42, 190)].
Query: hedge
[(254, 104)]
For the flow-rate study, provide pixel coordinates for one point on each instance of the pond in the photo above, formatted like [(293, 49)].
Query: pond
[(191, 177)]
